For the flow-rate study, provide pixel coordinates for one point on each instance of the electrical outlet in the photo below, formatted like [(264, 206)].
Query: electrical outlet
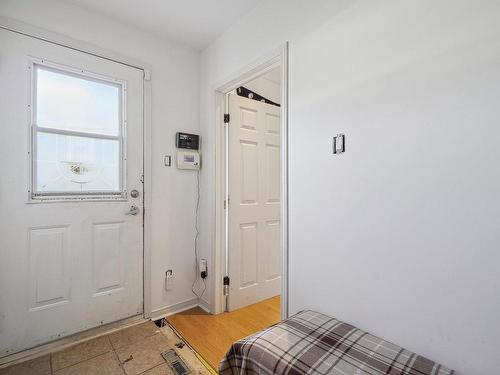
[(203, 268), (169, 280)]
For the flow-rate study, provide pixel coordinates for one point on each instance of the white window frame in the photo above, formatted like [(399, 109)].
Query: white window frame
[(33, 194)]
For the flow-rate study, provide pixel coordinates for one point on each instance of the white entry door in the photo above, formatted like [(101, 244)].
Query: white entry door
[(254, 205), (70, 157)]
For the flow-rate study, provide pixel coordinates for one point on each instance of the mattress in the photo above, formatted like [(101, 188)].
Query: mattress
[(313, 343)]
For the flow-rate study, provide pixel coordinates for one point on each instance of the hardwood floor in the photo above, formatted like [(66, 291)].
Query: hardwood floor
[(212, 335)]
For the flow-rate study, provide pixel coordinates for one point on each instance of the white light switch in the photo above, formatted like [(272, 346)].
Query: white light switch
[(339, 144)]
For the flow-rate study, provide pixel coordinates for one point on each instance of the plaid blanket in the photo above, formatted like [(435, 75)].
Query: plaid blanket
[(313, 343)]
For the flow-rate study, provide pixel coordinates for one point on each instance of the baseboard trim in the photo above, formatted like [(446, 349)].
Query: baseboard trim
[(174, 309), (205, 305)]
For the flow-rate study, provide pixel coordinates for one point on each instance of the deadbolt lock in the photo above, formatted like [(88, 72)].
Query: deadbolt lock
[(134, 193)]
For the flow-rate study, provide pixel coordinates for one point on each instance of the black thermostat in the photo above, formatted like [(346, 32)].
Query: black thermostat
[(189, 141)]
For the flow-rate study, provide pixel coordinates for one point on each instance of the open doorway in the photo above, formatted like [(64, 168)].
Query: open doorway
[(253, 193), (250, 259)]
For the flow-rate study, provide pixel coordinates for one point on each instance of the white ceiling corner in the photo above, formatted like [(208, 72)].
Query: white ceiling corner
[(194, 23)]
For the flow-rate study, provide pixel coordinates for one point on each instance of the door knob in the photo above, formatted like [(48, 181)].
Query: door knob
[(134, 210)]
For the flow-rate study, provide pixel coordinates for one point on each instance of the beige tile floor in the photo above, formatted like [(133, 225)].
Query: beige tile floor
[(131, 351)]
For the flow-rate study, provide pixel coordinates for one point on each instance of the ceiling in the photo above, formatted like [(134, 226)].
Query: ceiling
[(194, 23)]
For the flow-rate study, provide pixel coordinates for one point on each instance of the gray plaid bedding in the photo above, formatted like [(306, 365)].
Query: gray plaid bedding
[(313, 343)]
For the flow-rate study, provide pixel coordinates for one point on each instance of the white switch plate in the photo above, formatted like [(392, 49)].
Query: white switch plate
[(339, 144)]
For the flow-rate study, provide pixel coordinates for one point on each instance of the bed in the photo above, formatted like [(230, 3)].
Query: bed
[(314, 343)]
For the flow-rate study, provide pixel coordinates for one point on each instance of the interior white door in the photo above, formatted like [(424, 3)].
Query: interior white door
[(70, 154), (254, 201)]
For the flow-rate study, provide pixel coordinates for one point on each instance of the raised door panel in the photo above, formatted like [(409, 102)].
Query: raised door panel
[(272, 123), (271, 250), (272, 174), (248, 119), (49, 266), (249, 256), (249, 183), (107, 258)]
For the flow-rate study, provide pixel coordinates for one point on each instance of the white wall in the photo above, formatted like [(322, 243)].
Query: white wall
[(230, 53), (399, 235), (175, 107)]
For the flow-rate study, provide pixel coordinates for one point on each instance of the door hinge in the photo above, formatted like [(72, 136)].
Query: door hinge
[(142, 178), (226, 285), (146, 75), (227, 118)]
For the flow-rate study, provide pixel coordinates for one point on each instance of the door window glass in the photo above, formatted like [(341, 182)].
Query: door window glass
[(77, 135)]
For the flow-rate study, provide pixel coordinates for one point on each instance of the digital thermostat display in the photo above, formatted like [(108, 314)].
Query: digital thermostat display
[(188, 141), (188, 159)]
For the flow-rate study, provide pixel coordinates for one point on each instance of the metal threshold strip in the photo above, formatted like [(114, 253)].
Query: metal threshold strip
[(203, 361)]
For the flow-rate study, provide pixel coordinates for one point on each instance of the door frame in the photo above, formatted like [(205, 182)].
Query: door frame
[(41, 34), (278, 57)]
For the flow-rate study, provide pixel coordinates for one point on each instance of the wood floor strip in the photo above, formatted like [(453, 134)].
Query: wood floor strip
[(212, 335)]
